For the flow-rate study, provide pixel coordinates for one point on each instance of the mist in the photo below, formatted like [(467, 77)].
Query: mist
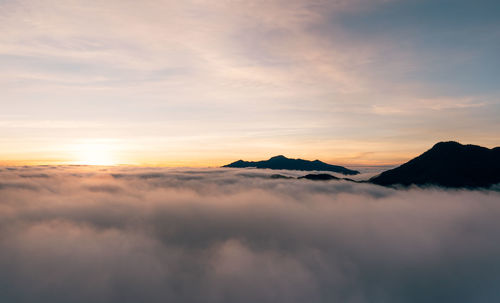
[(130, 234)]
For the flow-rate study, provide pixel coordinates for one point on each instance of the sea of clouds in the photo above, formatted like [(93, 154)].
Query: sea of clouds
[(125, 234)]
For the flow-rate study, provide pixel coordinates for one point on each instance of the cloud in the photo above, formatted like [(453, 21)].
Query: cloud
[(131, 234)]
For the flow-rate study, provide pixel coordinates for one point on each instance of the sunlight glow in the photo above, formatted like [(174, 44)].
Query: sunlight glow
[(94, 154)]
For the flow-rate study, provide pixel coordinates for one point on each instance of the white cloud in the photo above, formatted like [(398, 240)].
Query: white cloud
[(79, 234)]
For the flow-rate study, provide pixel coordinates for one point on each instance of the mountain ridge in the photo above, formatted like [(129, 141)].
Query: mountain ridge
[(447, 164), (282, 162)]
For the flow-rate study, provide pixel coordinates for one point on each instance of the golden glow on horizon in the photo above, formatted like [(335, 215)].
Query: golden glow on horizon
[(171, 83), (119, 151), (95, 154)]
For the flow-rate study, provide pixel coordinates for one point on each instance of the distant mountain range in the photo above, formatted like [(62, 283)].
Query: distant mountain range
[(282, 162), (447, 164)]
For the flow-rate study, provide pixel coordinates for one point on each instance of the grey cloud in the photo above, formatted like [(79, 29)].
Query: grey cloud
[(104, 188), (235, 236), (17, 185), (34, 176)]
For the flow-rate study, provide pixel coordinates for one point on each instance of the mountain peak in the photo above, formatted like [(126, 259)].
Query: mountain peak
[(448, 164), (446, 144), (279, 157), (282, 162)]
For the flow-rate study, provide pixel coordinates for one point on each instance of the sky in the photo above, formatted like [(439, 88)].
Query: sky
[(204, 83)]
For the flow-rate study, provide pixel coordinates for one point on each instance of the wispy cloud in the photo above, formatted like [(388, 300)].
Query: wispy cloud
[(327, 67)]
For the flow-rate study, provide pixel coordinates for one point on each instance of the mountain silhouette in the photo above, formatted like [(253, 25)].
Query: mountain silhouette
[(282, 162), (448, 164), (326, 177), (319, 177)]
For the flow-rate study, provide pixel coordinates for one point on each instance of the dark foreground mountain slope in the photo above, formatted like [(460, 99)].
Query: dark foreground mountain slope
[(282, 162), (448, 164)]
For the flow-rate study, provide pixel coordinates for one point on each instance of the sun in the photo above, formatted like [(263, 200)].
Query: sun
[(94, 154)]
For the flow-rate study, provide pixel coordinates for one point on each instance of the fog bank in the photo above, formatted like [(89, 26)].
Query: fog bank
[(83, 234)]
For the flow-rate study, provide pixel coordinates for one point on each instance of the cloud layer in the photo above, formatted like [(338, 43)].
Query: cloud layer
[(76, 234)]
